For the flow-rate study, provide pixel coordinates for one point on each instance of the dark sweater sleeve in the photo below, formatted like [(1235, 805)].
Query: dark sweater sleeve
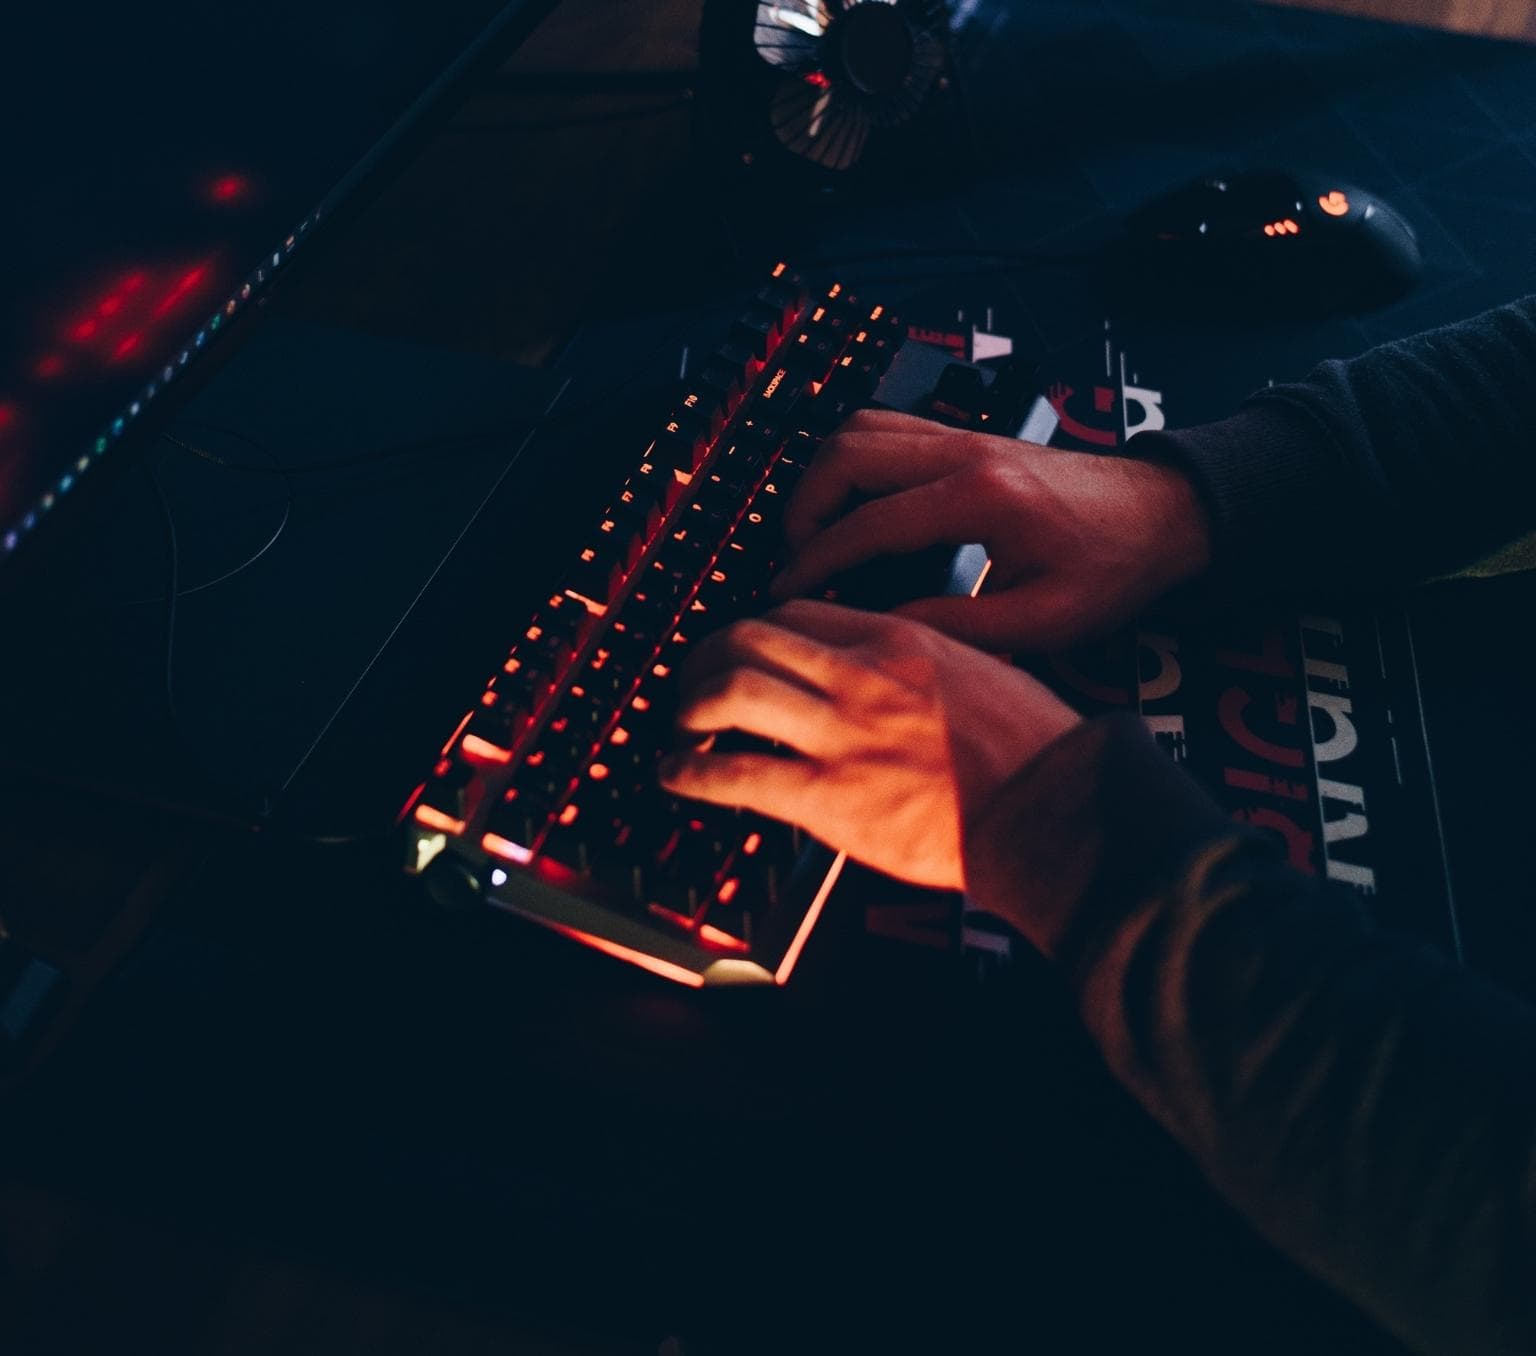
[(1412, 460), (1367, 1105)]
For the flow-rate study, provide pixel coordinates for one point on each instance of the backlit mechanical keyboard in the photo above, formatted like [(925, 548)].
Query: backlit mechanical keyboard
[(545, 799)]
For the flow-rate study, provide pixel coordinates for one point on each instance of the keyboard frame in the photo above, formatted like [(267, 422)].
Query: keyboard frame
[(516, 878)]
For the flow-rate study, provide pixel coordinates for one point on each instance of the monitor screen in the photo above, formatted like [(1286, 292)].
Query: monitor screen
[(164, 162)]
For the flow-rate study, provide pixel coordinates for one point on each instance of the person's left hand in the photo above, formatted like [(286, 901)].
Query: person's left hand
[(895, 737)]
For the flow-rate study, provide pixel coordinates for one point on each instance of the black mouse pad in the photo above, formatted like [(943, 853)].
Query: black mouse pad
[(1084, 112)]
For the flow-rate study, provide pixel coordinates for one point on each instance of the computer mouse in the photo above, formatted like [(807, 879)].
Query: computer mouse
[(1271, 242)]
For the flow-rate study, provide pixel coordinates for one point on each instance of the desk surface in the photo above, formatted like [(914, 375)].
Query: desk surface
[(308, 1116)]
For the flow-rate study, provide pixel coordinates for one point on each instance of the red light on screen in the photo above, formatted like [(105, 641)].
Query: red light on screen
[(7, 415), (182, 288), (123, 321), (227, 188)]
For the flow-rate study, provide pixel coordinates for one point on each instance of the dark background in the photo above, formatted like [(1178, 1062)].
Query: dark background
[(308, 1115)]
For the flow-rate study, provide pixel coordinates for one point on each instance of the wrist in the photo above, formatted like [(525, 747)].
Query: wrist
[(1177, 526)]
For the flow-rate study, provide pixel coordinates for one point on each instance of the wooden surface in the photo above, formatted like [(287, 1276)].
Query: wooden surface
[(1490, 18)]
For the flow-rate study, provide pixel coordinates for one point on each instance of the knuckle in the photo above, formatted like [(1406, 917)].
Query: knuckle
[(889, 643), (740, 686), (831, 447), (751, 633), (794, 610)]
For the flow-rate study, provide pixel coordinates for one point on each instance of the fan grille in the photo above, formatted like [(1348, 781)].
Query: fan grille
[(848, 66)]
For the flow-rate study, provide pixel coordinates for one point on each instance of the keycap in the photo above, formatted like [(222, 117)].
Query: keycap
[(755, 331), (706, 406), (598, 569), (784, 296), (681, 445), (723, 382), (493, 731), (454, 790)]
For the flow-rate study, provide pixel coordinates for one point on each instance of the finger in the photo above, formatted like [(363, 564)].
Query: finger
[(782, 788), (778, 650), (896, 525), (1027, 617), (831, 623), (758, 703), (857, 462)]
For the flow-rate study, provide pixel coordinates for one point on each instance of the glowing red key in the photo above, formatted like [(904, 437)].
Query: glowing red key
[(482, 750), (716, 937), (431, 818), (505, 847)]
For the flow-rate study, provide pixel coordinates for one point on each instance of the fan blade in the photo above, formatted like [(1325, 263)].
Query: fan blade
[(788, 32), (819, 124), (928, 56)]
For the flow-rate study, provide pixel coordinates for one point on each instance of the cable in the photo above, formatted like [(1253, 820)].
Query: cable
[(591, 120), (246, 564), (172, 597)]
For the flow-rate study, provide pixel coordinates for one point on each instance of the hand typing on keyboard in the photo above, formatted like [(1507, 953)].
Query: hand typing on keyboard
[(1078, 543), (893, 737), (882, 735)]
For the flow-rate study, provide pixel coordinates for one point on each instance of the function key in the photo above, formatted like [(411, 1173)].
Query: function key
[(702, 410), (756, 332), (722, 382), (783, 300), (678, 449)]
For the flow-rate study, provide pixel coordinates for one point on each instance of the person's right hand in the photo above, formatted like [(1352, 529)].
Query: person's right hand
[(1079, 543)]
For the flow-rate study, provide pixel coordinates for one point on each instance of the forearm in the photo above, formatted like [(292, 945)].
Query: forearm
[(1370, 1108), (1412, 460)]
